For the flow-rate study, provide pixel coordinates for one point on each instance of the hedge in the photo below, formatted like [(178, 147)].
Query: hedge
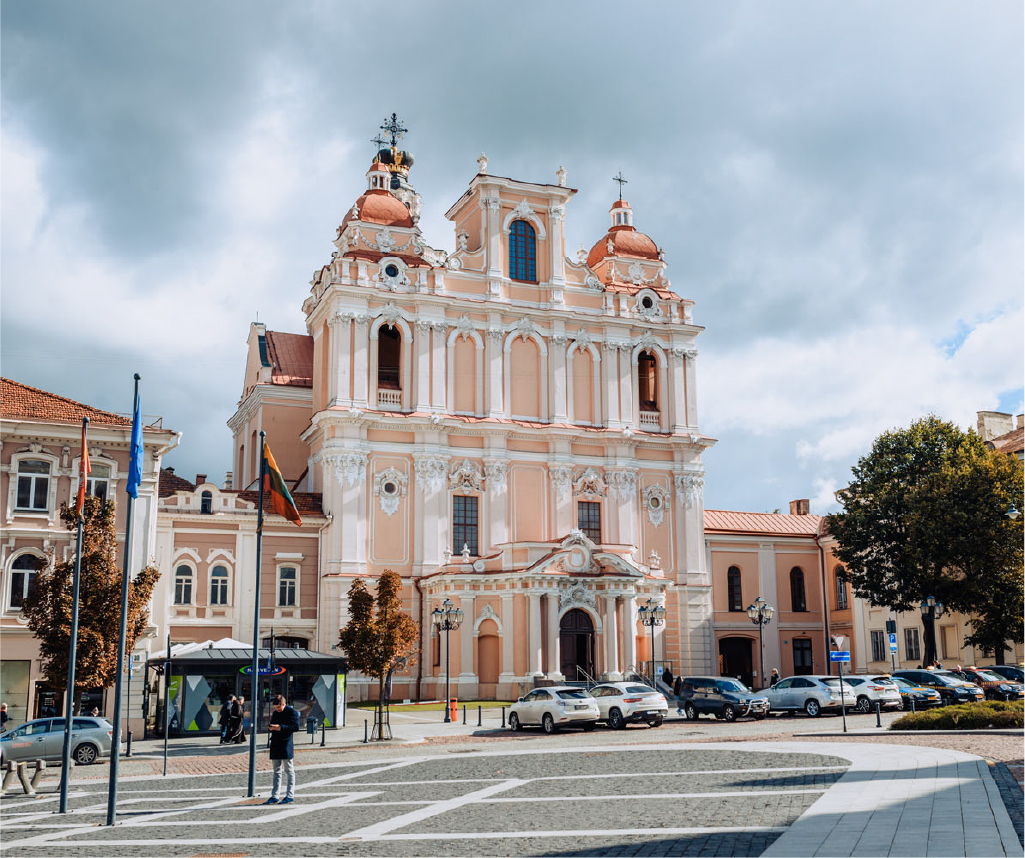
[(991, 714)]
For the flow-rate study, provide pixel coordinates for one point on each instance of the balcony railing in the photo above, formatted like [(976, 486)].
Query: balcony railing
[(391, 399), (650, 421)]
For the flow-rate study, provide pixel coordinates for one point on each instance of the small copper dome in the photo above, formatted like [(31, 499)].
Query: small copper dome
[(626, 242), (380, 207)]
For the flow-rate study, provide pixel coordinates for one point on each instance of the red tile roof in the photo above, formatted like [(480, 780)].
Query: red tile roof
[(170, 483), (20, 402), (308, 503), (724, 521), (291, 357), (1009, 443)]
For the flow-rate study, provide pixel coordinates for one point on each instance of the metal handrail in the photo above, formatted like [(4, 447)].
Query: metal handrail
[(588, 679)]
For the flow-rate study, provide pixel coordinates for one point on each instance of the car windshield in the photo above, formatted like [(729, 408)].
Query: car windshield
[(639, 689), (881, 680), (902, 683), (949, 679), (731, 685), (832, 682), (573, 694), (989, 676)]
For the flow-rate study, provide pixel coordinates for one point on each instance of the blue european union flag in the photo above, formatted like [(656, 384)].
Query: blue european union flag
[(135, 462)]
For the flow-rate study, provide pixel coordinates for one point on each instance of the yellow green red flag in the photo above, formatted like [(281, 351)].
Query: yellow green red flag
[(274, 483)]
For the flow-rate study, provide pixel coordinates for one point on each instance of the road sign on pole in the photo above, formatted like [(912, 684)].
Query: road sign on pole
[(842, 655), (839, 641), (893, 641)]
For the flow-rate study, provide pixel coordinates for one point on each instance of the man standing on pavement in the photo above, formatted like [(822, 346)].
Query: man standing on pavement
[(284, 721)]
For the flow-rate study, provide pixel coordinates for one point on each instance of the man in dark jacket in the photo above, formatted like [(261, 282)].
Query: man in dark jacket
[(284, 721)]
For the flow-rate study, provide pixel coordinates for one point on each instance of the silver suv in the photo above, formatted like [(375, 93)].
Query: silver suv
[(813, 694), (43, 739)]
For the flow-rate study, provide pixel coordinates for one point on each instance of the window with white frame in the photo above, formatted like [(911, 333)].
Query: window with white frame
[(33, 485), (183, 585), (23, 579), (98, 483), (288, 582), (219, 586)]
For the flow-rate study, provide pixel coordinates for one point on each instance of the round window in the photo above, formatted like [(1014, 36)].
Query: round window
[(389, 488), (655, 502), (647, 303), (392, 270)]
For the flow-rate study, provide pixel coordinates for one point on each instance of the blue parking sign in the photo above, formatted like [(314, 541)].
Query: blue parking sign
[(893, 641)]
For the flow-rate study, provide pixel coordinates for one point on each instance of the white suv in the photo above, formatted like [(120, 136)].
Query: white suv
[(874, 689), (813, 694), (619, 703), (554, 707)]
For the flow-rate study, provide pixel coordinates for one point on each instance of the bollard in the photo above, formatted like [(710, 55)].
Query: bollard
[(24, 780), (9, 769), (479, 723), (364, 731), (323, 732), (503, 717), (912, 704), (464, 714), (879, 722), (37, 775), (128, 747)]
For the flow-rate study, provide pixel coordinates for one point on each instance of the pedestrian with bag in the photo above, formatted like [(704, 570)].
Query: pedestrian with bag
[(284, 721), (678, 694), (225, 717)]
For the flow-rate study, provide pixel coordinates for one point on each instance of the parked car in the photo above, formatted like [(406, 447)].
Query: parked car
[(554, 707), (1009, 671), (993, 685), (43, 739), (721, 696), (870, 690), (924, 698), (622, 703), (813, 694), (952, 688)]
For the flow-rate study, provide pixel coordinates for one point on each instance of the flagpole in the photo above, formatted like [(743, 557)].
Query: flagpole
[(254, 677), (132, 490), (69, 707)]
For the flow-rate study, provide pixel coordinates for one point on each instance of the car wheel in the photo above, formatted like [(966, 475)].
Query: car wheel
[(616, 721), (690, 712), (729, 713), (548, 724), (514, 722), (655, 722), (901, 705), (589, 726), (864, 705), (812, 708), (85, 755)]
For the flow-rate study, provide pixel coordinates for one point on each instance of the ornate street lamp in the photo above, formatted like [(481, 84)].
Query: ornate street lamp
[(652, 614), (760, 613), (1012, 512), (931, 612), (447, 618)]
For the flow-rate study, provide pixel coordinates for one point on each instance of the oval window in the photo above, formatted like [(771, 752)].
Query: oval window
[(392, 270), (389, 488), (647, 303)]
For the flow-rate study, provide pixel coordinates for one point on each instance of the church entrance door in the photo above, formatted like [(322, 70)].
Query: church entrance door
[(735, 659), (576, 645)]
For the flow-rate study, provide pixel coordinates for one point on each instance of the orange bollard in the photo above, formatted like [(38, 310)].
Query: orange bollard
[(453, 707)]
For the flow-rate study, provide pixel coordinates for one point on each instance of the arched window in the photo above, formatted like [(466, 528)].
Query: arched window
[(736, 593), (522, 252), (389, 354), (33, 485), (23, 579), (797, 598), (183, 585), (206, 503), (841, 588), (219, 586), (647, 382)]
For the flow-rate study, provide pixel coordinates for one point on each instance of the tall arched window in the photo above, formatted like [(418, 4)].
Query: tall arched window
[(647, 382), (219, 586), (206, 503), (797, 597), (389, 355), (522, 252), (733, 588), (183, 585), (841, 588), (23, 579)]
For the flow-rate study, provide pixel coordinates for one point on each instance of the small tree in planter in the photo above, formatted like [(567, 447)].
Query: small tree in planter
[(379, 636)]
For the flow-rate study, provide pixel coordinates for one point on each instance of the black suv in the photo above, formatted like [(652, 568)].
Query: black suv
[(721, 696)]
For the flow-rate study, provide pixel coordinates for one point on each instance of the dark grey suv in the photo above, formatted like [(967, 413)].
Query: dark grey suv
[(721, 696)]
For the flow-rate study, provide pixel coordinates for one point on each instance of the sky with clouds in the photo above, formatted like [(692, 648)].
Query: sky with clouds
[(838, 186)]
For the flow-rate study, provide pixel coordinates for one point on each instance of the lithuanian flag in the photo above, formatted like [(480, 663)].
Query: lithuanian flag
[(274, 483)]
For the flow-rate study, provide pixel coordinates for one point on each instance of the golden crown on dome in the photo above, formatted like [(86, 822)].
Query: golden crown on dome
[(388, 153)]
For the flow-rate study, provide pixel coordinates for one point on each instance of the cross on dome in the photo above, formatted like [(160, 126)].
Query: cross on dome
[(619, 178), (394, 128)]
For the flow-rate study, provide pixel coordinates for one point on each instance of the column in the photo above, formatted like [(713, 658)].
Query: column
[(610, 367), (360, 361), (629, 632), (534, 637), (690, 375), (554, 658), (423, 366), (612, 671), (467, 680), (496, 402), (678, 389), (438, 332), (557, 367), (508, 669)]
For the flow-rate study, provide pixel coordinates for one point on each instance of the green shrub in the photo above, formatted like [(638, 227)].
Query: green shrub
[(990, 714)]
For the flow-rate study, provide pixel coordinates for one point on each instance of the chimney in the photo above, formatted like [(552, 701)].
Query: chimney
[(1021, 421), (228, 477), (169, 470), (200, 479), (800, 507), (993, 424)]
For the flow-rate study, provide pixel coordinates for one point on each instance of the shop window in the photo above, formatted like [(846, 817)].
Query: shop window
[(288, 582), (23, 580), (522, 252), (647, 382), (734, 589), (797, 595), (219, 586), (589, 519), (464, 524), (33, 485), (183, 585)]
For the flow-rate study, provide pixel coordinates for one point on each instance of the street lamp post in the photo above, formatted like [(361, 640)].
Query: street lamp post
[(931, 612), (652, 614), (760, 613), (446, 618)]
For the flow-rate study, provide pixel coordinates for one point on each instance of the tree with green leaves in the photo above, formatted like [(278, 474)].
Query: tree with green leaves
[(926, 515), (378, 636), (48, 605)]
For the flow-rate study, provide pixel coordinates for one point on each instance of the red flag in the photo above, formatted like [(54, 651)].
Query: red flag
[(274, 483), (83, 473)]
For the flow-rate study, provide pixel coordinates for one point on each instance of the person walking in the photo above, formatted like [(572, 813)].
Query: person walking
[(678, 694), (3, 717), (284, 721), (773, 678), (667, 676), (236, 733), (225, 717)]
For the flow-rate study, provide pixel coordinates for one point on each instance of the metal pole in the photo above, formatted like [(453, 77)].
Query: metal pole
[(167, 697), (654, 681), (448, 716), (69, 707), (128, 750), (843, 707), (761, 651), (255, 677)]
